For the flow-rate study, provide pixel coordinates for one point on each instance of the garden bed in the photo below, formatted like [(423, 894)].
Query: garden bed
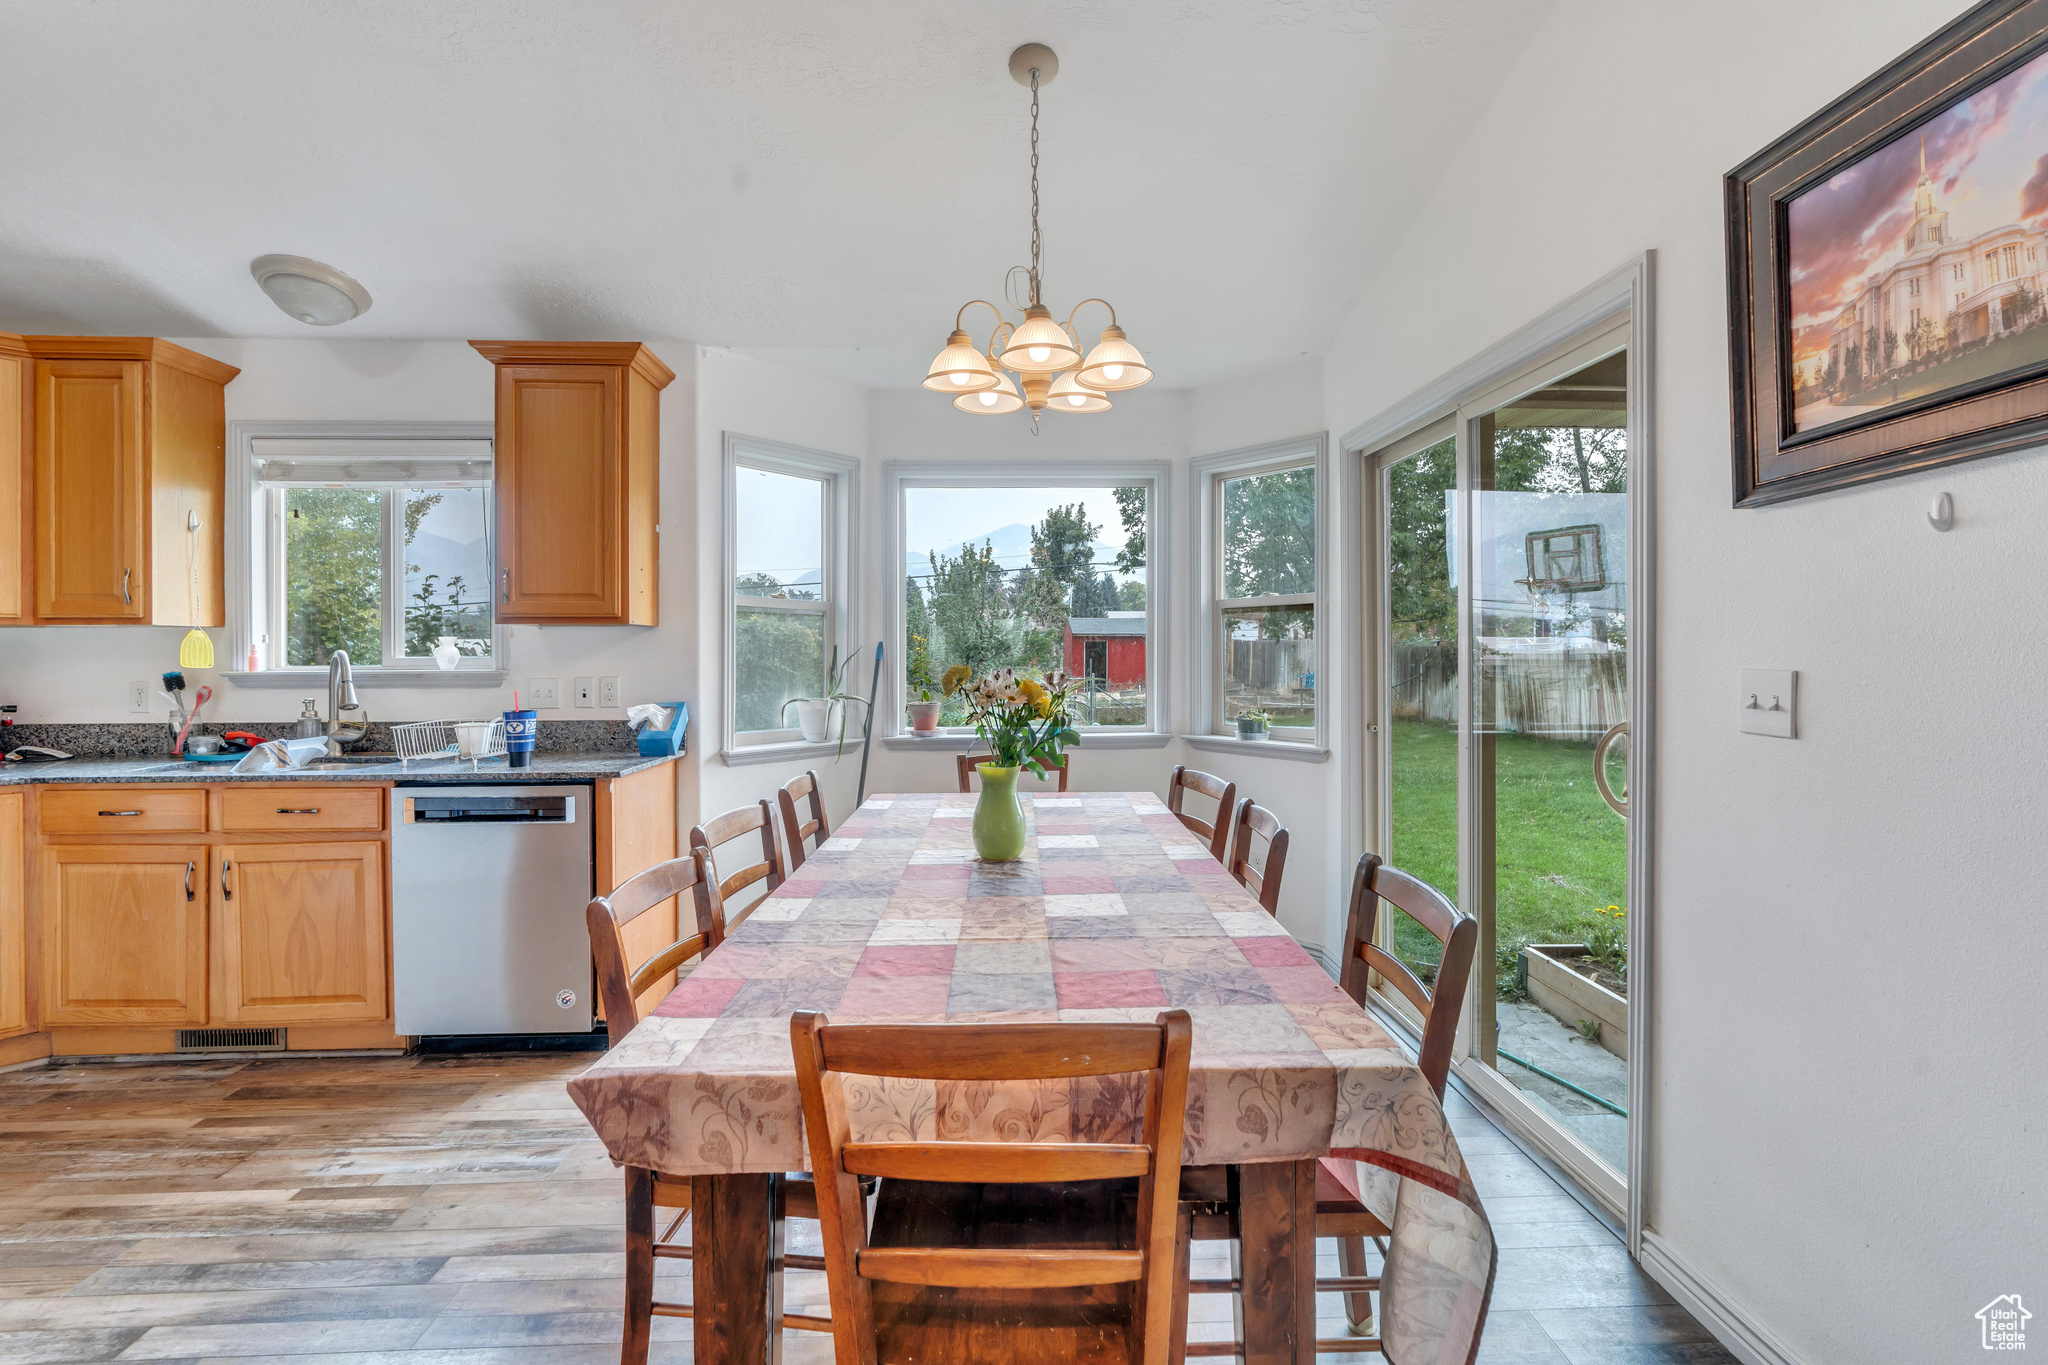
[(1574, 989)]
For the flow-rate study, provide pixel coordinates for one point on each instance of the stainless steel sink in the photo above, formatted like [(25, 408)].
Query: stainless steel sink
[(343, 764)]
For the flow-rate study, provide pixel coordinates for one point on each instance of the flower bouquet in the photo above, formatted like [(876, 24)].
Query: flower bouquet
[(1025, 725)]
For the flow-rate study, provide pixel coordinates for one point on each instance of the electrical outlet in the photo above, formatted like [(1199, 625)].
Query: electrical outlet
[(608, 693), (543, 694), (138, 698), (583, 692)]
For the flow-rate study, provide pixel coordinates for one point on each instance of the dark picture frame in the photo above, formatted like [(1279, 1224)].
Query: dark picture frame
[(1783, 450)]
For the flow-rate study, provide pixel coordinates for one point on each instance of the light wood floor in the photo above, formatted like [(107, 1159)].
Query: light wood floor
[(409, 1211)]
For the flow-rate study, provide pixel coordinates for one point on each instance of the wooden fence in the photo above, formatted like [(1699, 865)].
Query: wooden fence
[(1560, 689)]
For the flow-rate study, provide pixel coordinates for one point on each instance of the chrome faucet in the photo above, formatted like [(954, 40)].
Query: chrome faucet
[(341, 696)]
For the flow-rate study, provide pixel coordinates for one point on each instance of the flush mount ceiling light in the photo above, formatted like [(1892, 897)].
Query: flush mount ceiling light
[(309, 291), (1045, 354)]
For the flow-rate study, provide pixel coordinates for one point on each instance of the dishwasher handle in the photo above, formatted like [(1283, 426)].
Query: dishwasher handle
[(490, 810)]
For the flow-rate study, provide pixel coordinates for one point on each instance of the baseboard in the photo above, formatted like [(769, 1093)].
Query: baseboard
[(1701, 1297)]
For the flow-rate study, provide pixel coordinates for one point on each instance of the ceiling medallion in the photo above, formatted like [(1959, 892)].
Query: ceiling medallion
[(1044, 355)]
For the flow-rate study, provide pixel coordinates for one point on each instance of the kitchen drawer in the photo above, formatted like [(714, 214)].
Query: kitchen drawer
[(121, 810), (297, 809)]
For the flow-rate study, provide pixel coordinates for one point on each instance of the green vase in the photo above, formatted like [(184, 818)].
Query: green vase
[(998, 819)]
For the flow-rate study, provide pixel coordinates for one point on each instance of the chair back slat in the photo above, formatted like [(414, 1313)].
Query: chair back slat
[(796, 830), (1216, 831), (965, 764), (1263, 881), (1372, 882), (1009, 1267), (986, 1052), (722, 829), (995, 1052), (619, 983), (998, 1163)]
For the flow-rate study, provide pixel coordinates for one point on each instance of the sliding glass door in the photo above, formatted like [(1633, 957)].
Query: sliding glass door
[(1504, 665)]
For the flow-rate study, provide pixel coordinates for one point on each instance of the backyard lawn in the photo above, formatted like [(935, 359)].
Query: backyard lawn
[(1560, 859)]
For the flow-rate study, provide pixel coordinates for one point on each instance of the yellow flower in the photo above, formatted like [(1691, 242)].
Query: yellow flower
[(954, 677), (1033, 692)]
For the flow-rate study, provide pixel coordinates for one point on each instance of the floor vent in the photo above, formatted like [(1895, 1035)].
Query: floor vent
[(230, 1040)]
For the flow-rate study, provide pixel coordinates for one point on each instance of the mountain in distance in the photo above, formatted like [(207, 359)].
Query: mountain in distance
[(1012, 546)]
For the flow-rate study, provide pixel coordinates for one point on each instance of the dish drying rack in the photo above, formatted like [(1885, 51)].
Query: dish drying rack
[(421, 741)]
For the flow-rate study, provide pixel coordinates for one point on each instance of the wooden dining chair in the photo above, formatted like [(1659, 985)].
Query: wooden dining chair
[(1341, 1210), (1262, 881), (1030, 1248), (619, 988), (793, 791), (966, 763), (1217, 830), (720, 830)]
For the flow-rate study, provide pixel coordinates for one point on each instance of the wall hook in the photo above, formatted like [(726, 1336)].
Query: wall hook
[(1942, 514)]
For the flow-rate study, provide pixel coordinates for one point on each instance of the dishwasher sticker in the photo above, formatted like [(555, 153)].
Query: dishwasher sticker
[(566, 999)]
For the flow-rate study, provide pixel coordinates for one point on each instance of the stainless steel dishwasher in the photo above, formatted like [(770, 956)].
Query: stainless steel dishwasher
[(488, 888)]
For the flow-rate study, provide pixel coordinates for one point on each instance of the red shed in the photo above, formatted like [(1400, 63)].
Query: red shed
[(1110, 649)]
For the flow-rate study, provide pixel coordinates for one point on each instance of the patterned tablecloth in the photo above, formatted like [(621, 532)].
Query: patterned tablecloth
[(1116, 911)]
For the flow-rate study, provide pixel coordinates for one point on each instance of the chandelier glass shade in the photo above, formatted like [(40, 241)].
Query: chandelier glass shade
[(1045, 355), (999, 398), (960, 368)]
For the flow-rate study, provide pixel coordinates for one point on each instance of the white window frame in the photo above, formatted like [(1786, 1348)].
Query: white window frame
[(1206, 477), (839, 583), (255, 563), (1157, 475)]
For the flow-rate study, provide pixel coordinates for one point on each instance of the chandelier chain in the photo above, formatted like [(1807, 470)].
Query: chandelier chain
[(1034, 185)]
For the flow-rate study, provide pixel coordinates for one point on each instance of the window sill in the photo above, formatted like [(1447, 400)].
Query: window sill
[(1297, 750), (956, 744), (485, 679), (751, 754)]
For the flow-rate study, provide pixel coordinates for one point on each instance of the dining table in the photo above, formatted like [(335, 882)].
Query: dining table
[(1115, 911)]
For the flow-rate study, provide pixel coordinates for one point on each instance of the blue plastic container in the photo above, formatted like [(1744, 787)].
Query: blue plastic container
[(661, 743), (521, 729)]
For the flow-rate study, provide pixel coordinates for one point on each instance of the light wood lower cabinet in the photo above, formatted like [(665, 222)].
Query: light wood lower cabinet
[(302, 932), (13, 913), (123, 934)]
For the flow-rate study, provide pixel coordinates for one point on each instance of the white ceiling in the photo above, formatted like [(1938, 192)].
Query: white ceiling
[(818, 183)]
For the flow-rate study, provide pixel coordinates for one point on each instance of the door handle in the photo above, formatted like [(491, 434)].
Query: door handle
[(125, 600), (188, 881), (298, 810), (504, 585), (225, 893), (120, 812)]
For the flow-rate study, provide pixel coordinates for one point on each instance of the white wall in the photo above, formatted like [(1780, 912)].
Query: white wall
[(1847, 1062)]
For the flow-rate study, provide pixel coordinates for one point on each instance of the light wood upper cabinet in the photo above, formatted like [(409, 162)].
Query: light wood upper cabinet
[(301, 932), (578, 446), (130, 441), (17, 444), (13, 914), (123, 933)]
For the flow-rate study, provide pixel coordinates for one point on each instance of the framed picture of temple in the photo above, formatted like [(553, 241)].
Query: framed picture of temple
[(1888, 269)]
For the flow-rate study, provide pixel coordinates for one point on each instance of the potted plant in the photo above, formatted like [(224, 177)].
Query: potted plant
[(818, 717), (1253, 724), (924, 712), (1024, 723)]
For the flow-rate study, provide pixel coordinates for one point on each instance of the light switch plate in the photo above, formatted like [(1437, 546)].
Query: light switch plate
[(583, 691), (608, 693), (543, 694), (1769, 702)]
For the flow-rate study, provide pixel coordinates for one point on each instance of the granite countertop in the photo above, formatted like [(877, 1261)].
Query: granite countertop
[(158, 768)]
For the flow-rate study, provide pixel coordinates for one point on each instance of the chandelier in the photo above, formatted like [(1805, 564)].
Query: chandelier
[(1044, 355)]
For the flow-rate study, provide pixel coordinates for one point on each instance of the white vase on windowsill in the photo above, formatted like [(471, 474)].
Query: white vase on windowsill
[(446, 654)]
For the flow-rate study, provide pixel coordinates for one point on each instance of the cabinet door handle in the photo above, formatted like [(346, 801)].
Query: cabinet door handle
[(120, 812), (298, 810), (189, 869), (504, 585), (225, 894), (125, 601)]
